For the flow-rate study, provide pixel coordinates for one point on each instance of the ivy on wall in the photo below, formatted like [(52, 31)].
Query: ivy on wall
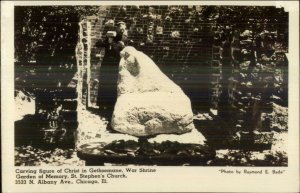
[(47, 30)]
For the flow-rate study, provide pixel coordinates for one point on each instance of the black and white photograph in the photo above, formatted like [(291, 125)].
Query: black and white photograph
[(154, 85), (152, 96)]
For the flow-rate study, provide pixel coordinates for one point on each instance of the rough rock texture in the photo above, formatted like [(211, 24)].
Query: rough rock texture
[(148, 103)]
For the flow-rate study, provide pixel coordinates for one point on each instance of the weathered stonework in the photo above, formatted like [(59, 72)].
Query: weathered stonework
[(149, 103)]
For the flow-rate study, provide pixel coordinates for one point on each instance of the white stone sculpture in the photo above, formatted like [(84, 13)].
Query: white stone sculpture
[(149, 103)]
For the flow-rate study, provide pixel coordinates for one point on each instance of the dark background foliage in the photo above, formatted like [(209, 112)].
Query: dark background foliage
[(45, 42)]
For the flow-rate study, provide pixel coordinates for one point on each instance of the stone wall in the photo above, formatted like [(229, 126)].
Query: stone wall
[(220, 65)]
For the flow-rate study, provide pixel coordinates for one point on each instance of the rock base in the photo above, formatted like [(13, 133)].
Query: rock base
[(144, 153)]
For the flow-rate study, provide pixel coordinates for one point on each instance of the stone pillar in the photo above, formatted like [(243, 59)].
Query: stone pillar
[(88, 63), (216, 73), (83, 52), (79, 52)]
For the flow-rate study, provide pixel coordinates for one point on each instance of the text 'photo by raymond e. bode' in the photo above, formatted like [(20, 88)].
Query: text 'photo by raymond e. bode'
[(154, 85)]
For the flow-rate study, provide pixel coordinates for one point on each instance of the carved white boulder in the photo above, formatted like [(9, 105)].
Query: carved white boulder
[(148, 103)]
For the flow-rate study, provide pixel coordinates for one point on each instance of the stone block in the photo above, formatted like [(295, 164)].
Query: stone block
[(149, 103)]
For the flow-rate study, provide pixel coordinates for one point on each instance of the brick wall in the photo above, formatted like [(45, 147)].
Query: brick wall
[(178, 43)]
